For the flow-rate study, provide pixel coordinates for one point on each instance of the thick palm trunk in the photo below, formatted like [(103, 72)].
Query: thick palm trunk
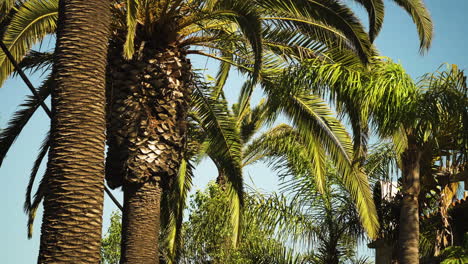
[(408, 239), (149, 101), (71, 228)]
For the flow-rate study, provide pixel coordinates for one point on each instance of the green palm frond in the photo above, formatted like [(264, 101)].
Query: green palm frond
[(253, 121), (132, 22), (5, 8), (21, 117), (244, 100), (34, 20), (224, 149), (375, 11), (172, 213), (223, 74), (328, 20), (275, 212), (323, 133), (245, 15), (421, 17), (382, 161)]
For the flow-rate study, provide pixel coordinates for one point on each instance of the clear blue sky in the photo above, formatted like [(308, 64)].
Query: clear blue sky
[(397, 40)]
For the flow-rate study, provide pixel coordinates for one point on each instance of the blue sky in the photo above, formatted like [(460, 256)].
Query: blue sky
[(398, 40)]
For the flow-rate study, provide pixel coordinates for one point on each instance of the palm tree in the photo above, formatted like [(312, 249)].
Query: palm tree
[(147, 139), (414, 116), (437, 108), (326, 224), (73, 198)]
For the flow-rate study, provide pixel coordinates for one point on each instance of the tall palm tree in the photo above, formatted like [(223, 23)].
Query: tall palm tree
[(73, 198)]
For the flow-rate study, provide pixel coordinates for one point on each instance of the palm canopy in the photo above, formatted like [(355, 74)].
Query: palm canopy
[(213, 24)]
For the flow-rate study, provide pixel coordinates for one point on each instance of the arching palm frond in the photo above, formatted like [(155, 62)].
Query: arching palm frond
[(224, 149), (21, 117), (31, 23), (375, 11), (322, 133), (327, 20), (283, 149), (421, 17), (30, 206)]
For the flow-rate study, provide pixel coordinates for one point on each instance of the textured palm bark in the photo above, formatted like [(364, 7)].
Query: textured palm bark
[(71, 227), (148, 99), (408, 239), (140, 223)]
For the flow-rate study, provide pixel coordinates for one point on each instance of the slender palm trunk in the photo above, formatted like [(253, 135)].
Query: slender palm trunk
[(408, 239), (71, 227), (147, 129)]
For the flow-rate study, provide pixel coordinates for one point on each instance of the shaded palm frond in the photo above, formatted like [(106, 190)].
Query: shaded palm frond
[(42, 153), (35, 61), (21, 117)]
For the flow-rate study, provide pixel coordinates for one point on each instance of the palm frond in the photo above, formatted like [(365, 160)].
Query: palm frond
[(42, 152), (173, 211), (327, 20), (421, 17), (34, 20), (320, 130), (375, 11), (224, 148), (38, 196), (245, 16), (132, 22), (21, 117), (35, 61)]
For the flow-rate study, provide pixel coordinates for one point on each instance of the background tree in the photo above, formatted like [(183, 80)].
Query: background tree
[(110, 248)]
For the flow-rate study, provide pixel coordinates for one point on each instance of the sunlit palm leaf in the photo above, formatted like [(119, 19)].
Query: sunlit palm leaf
[(224, 148), (34, 20)]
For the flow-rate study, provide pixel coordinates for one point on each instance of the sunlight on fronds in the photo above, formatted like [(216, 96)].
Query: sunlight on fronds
[(224, 148), (34, 20), (132, 22)]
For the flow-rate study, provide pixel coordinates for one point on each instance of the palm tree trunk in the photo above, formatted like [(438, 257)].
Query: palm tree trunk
[(149, 102), (71, 227), (140, 223), (408, 239)]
